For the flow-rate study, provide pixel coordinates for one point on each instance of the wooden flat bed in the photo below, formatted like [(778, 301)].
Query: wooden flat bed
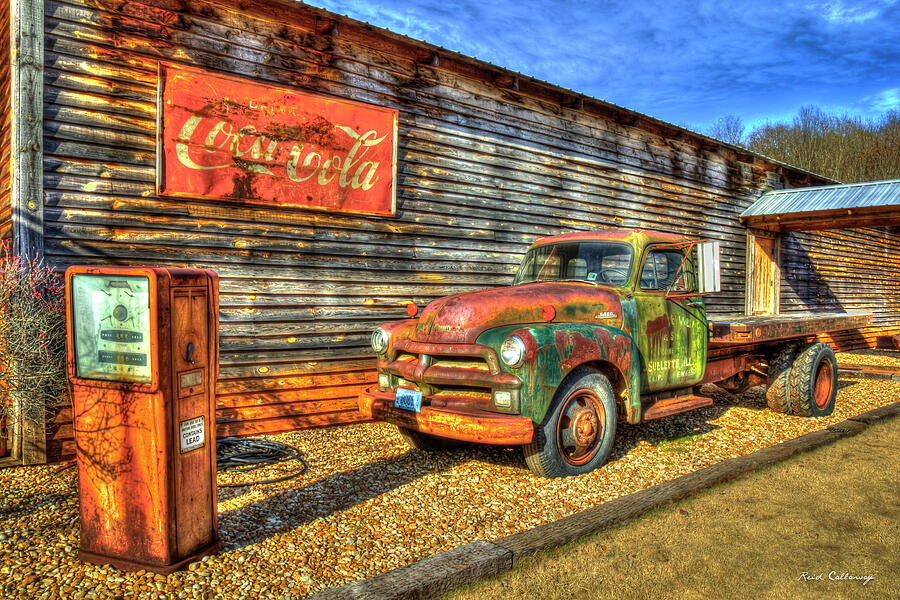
[(731, 330)]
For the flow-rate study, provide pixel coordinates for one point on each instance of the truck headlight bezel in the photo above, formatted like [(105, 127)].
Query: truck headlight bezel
[(512, 351), (379, 340)]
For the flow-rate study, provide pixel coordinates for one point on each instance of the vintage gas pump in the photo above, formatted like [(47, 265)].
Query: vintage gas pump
[(143, 362)]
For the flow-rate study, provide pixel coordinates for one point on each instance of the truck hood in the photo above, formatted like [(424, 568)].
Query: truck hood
[(460, 319)]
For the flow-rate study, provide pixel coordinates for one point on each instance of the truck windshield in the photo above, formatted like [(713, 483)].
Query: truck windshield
[(594, 262)]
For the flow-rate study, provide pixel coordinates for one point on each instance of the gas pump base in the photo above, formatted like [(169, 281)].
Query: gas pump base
[(130, 565)]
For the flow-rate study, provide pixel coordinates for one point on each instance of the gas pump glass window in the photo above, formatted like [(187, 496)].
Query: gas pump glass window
[(112, 327), (594, 262)]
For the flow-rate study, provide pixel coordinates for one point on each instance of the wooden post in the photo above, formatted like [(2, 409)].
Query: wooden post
[(27, 190)]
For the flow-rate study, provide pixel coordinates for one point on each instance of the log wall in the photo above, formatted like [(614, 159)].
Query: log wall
[(488, 162)]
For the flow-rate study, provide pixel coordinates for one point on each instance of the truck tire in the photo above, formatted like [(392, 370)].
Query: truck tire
[(577, 433), (424, 442), (813, 381), (778, 391)]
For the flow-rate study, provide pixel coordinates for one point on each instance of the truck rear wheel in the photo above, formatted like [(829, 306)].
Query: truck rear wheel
[(427, 443), (813, 381), (778, 392), (577, 433)]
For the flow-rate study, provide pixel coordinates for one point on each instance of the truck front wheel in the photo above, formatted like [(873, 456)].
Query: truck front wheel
[(577, 433), (813, 381)]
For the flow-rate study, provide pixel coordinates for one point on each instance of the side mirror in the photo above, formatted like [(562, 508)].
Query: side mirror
[(708, 276)]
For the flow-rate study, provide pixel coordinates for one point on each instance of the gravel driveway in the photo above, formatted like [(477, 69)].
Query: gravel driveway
[(368, 504)]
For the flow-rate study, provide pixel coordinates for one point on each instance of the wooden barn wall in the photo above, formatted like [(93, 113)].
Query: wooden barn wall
[(856, 269), (484, 170), (5, 121)]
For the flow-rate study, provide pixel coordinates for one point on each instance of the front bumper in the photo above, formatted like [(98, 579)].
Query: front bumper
[(477, 426)]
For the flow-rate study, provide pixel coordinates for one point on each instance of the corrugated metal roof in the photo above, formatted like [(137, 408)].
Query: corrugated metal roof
[(827, 197)]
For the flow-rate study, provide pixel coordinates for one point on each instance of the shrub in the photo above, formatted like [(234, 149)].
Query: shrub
[(32, 338)]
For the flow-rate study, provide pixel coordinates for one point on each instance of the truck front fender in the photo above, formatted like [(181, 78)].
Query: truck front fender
[(554, 350)]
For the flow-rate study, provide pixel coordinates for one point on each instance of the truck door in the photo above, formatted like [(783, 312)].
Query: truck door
[(671, 330)]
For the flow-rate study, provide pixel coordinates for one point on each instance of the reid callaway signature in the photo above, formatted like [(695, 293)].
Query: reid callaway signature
[(835, 576)]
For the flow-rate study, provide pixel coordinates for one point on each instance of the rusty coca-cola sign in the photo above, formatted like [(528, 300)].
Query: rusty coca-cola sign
[(228, 138)]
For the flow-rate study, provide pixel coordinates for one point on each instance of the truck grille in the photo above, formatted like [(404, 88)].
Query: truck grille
[(449, 375), (461, 362)]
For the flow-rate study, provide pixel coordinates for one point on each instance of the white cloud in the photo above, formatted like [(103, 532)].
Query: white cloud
[(884, 100), (835, 12)]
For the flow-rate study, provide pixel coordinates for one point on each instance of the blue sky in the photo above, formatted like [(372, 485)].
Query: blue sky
[(688, 63)]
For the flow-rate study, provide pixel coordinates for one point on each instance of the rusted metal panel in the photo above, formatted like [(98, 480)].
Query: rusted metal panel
[(738, 359), (482, 172), (225, 138), (674, 406), (465, 425)]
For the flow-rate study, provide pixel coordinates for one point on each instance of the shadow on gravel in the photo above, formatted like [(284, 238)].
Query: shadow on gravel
[(684, 425), (843, 383), (253, 523), (340, 491), (57, 495), (692, 423), (33, 502)]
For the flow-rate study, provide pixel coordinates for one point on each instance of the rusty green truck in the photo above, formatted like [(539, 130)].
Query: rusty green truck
[(598, 327)]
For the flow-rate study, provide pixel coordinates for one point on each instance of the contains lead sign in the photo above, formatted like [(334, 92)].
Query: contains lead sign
[(193, 434)]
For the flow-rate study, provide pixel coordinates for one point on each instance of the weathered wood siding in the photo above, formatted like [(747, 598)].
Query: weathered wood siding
[(488, 162), (5, 120), (857, 269)]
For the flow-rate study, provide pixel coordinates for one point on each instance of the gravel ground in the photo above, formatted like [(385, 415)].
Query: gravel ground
[(873, 358), (368, 504)]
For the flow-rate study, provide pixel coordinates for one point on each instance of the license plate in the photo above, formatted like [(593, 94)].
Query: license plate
[(408, 400)]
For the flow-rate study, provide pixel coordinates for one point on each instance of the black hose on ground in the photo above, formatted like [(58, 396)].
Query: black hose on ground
[(243, 455)]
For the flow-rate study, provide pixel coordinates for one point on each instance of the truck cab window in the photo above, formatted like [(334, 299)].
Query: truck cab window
[(576, 269), (606, 263), (662, 271)]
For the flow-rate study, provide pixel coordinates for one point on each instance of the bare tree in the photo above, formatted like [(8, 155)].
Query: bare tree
[(845, 148), (729, 129), (33, 379)]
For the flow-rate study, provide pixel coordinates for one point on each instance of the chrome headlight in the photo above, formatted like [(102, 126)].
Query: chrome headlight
[(379, 340), (512, 352)]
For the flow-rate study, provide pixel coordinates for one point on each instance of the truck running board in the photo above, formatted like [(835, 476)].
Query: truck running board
[(673, 406)]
